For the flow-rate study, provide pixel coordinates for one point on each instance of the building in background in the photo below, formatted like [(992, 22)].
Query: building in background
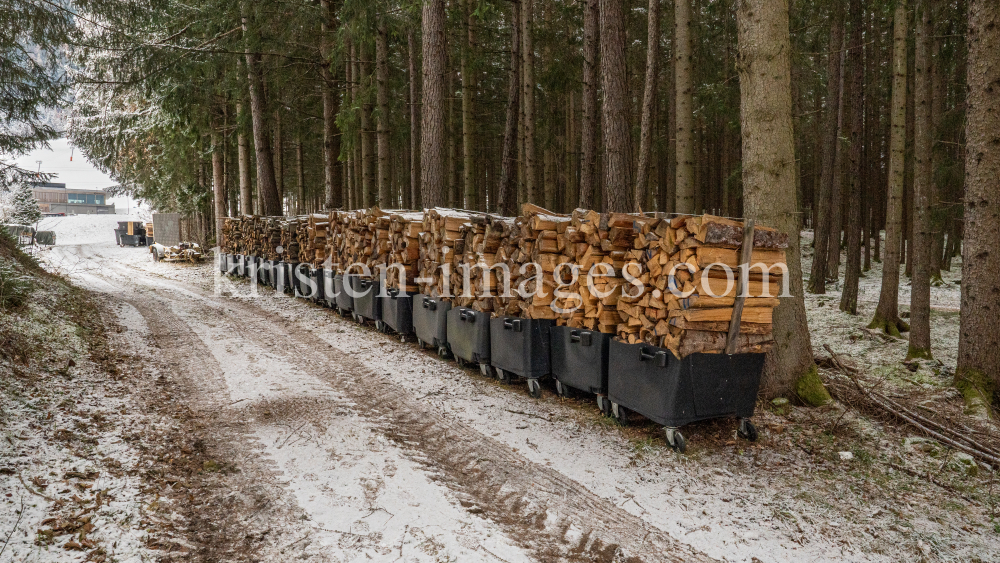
[(56, 198)]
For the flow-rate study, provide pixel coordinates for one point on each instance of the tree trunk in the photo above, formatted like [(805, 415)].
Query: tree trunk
[(369, 187), (589, 119), (887, 313), (267, 188), (331, 136), (300, 175), (978, 373), (836, 199), (469, 177), (684, 106), (218, 179), (432, 140), (528, 86), (852, 273), (920, 287), (279, 160), (415, 169), (769, 172), (648, 102), (243, 162), (382, 95), (614, 82), (507, 194)]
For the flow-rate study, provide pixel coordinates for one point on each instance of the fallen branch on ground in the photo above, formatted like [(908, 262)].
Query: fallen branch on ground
[(874, 399)]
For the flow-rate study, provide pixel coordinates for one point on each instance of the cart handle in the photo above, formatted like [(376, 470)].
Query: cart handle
[(428, 304), (660, 357), (512, 324), (393, 292), (583, 337), (467, 316)]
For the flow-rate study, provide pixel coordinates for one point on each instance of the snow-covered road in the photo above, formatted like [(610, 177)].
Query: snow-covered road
[(388, 453)]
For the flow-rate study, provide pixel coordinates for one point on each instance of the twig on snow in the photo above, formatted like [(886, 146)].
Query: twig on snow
[(16, 525)]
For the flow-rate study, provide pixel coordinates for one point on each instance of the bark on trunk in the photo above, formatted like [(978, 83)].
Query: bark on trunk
[(382, 95), (528, 87), (218, 180), (300, 175), (267, 188), (243, 163), (589, 119), (469, 177), (648, 102), (432, 139), (887, 312), (831, 132), (279, 160), (852, 273), (507, 196), (614, 82), (769, 172), (683, 90), (920, 292), (331, 144), (369, 187), (415, 169), (978, 373)]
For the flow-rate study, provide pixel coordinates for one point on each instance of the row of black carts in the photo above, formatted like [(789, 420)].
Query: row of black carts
[(626, 379)]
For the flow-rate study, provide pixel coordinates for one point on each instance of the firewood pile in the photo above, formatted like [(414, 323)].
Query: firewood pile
[(687, 306), (317, 233), (404, 242), (290, 240), (653, 283), (442, 232)]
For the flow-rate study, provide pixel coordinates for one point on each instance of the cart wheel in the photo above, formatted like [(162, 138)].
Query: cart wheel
[(747, 430), (503, 376), (535, 388), (604, 405), (619, 413), (156, 257), (420, 344), (379, 327), (676, 440), (563, 390), (460, 362), (402, 338), (486, 370), (443, 352)]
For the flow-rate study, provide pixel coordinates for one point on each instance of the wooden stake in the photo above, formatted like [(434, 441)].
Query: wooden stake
[(746, 251)]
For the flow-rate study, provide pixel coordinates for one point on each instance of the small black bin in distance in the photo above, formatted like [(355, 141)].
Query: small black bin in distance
[(580, 358), (652, 382), (521, 346), (250, 268), (272, 273), (397, 311), (223, 261), (366, 301), (469, 335), (430, 320)]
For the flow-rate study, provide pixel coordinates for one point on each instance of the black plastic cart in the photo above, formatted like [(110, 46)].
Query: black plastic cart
[(580, 362), (430, 322), (521, 347), (469, 337), (367, 305), (397, 313), (652, 382), (318, 295), (344, 301)]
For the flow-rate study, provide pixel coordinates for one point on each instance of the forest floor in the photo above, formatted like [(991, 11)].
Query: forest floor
[(225, 426)]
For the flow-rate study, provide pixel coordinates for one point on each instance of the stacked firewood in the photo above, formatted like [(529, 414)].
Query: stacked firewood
[(687, 306), (442, 231), (404, 240), (317, 232), (302, 241), (289, 239), (271, 237)]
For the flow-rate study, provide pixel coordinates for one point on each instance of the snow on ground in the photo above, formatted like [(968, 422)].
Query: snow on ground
[(728, 499), (86, 229)]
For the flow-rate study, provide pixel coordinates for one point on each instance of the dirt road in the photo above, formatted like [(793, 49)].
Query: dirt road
[(348, 445)]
